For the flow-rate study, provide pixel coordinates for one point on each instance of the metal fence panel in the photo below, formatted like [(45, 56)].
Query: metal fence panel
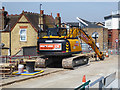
[(109, 79)]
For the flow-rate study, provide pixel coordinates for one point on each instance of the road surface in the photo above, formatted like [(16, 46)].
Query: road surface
[(72, 78)]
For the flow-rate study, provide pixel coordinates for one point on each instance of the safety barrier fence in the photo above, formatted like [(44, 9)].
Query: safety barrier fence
[(114, 51), (13, 59), (103, 82)]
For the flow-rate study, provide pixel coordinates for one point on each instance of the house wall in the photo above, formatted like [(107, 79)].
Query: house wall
[(5, 38), (23, 19), (16, 44), (31, 34), (114, 37), (103, 36), (5, 52), (108, 23), (113, 25)]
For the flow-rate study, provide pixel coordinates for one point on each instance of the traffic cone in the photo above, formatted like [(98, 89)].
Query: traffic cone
[(97, 56), (111, 52), (84, 79), (107, 55)]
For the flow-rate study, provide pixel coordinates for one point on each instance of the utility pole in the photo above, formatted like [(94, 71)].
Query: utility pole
[(10, 38), (40, 23), (40, 16)]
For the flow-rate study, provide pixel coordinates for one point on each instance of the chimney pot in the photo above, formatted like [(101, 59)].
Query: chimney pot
[(42, 11), (58, 14), (23, 11), (51, 14), (3, 8)]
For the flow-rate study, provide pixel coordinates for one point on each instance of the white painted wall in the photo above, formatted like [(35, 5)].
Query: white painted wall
[(112, 23), (115, 23), (108, 23)]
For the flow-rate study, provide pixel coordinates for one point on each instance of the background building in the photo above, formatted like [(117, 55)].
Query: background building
[(112, 22), (22, 31), (91, 29), (3, 23)]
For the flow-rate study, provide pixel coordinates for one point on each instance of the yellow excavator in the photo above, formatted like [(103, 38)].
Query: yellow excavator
[(63, 43)]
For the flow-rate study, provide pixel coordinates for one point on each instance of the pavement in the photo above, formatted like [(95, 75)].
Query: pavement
[(64, 78), (19, 78)]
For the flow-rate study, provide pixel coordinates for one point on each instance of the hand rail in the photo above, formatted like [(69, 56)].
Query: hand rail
[(98, 80), (83, 85)]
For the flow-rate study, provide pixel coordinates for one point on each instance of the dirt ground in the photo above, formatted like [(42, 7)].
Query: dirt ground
[(72, 78)]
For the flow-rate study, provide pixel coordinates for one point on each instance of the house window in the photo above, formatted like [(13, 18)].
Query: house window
[(109, 36), (23, 35), (95, 35)]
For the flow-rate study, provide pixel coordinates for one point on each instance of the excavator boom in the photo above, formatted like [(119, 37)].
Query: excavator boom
[(76, 32)]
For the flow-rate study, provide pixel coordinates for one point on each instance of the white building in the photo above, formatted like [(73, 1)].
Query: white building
[(112, 22)]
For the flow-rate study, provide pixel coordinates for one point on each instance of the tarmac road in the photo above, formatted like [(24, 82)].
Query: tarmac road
[(72, 78)]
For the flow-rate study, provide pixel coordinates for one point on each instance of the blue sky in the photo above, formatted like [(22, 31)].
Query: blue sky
[(91, 11)]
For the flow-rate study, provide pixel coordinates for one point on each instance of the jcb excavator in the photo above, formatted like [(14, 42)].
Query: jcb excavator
[(60, 42)]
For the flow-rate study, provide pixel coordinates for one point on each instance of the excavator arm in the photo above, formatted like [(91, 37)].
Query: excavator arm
[(87, 39)]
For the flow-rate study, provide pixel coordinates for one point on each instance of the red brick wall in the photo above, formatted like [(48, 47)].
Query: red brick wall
[(109, 39), (114, 37)]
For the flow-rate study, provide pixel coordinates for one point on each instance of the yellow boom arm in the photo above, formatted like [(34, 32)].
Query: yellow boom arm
[(87, 39)]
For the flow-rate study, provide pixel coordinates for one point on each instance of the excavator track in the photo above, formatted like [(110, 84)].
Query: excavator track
[(67, 62), (43, 62), (71, 62)]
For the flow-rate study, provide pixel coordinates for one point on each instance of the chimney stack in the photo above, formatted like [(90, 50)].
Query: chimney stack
[(58, 14), (58, 20), (41, 20), (3, 8), (51, 14), (3, 18), (42, 12)]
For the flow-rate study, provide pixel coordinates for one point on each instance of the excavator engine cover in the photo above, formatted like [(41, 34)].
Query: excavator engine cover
[(57, 47)]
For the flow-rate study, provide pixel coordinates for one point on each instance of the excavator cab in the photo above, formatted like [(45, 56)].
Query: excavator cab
[(57, 32)]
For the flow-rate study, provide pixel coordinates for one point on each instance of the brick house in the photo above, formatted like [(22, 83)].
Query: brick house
[(3, 22), (22, 30), (112, 22), (92, 28)]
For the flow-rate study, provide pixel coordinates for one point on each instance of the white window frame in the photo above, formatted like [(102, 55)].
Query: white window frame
[(23, 34)]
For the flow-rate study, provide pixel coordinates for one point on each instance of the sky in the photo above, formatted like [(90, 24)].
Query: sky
[(90, 11)]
